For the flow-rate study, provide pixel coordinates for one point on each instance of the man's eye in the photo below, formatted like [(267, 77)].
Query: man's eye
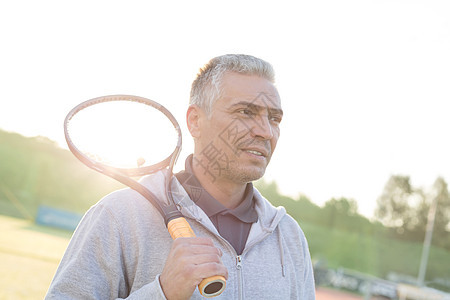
[(246, 112), (276, 119)]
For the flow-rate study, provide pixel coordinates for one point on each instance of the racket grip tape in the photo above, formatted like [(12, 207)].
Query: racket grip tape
[(209, 287)]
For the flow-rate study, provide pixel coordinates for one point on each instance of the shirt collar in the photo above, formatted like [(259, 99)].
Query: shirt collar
[(245, 211)]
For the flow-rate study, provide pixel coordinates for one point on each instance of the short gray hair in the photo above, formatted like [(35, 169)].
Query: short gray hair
[(206, 88)]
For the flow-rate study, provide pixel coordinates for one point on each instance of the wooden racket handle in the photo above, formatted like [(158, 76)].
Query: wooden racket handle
[(209, 287)]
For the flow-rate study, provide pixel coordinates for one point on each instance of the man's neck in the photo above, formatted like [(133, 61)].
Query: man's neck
[(229, 194)]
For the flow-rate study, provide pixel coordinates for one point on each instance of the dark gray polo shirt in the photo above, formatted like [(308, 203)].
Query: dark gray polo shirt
[(232, 224)]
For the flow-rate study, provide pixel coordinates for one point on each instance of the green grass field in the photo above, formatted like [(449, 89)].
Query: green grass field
[(29, 256)]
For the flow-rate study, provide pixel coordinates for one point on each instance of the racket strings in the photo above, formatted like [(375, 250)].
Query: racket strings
[(124, 133)]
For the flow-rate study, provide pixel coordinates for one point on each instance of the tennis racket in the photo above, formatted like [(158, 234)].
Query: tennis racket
[(125, 136)]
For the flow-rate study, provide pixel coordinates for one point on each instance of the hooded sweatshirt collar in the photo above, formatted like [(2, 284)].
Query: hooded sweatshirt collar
[(245, 211), (268, 216)]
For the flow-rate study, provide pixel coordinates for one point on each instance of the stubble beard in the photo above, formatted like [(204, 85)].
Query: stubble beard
[(231, 164), (241, 174), (247, 171)]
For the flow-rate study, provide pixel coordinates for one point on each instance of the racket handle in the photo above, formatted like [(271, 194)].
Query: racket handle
[(179, 227), (209, 287)]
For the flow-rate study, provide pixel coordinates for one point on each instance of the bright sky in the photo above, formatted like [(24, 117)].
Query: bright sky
[(365, 84)]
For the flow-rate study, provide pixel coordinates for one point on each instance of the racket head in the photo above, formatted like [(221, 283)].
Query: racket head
[(125, 123)]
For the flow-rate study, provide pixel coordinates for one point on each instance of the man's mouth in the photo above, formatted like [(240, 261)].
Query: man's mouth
[(257, 152), (253, 147), (254, 152)]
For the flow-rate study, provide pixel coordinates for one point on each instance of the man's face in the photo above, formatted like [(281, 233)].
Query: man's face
[(237, 141)]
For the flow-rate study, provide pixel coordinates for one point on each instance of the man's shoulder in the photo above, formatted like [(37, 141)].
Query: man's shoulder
[(125, 203), (121, 199), (293, 234), (129, 198), (289, 224)]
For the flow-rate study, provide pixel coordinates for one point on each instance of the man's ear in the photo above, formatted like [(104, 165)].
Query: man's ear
[(193, 120)]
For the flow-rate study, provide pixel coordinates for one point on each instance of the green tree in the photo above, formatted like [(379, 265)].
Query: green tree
[(341, 213), (395, 206), (405, 209), (35, 171), (342, 206), (440, 193)]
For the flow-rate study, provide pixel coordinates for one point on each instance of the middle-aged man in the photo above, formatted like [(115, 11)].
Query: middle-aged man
[(121, 249)]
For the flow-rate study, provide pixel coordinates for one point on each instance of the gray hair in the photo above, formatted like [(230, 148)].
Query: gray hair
[(206, 88)]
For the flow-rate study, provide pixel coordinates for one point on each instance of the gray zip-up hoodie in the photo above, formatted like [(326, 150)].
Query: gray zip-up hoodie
[(120, 247)]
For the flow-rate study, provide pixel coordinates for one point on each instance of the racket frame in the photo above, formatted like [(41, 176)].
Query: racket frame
[(123, 175)]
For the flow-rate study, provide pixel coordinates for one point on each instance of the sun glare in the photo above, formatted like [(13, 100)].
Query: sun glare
[(123, 134)]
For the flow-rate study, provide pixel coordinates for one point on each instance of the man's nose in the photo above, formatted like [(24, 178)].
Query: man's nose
[(262, 128)]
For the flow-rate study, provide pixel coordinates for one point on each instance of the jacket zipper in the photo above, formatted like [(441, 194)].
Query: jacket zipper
[(239, 271)]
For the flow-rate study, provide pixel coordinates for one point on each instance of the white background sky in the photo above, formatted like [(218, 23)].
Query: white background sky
[(365, 85)]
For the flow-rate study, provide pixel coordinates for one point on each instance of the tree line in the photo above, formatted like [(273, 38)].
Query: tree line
[(402, 211), (35, 171)]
